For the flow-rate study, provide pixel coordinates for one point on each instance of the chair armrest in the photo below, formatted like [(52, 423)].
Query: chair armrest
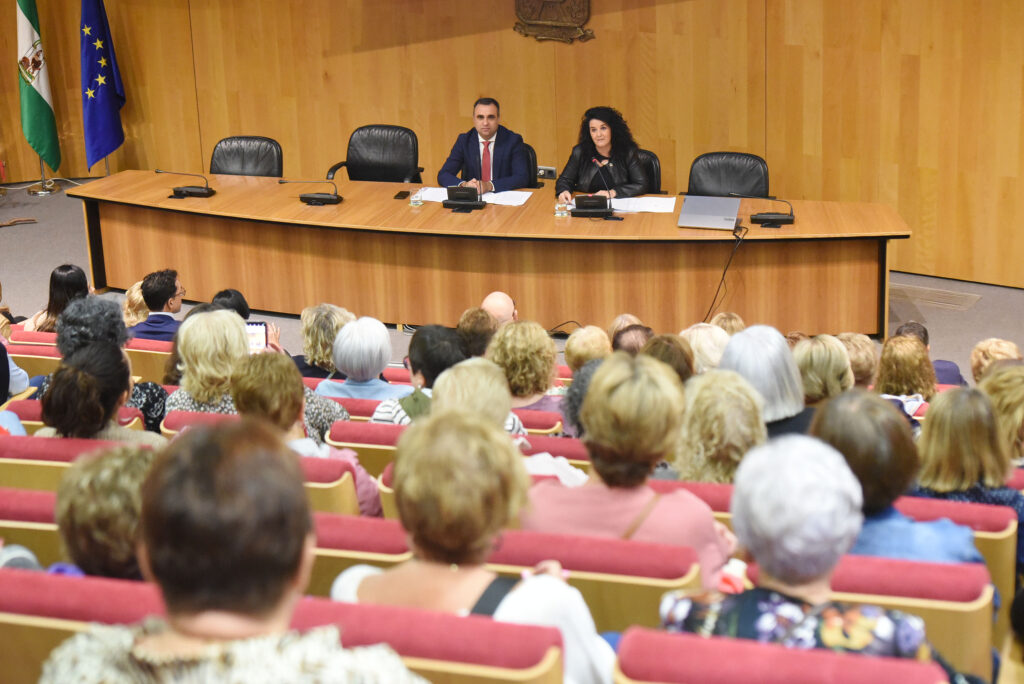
[(412, 174), (331, 171)]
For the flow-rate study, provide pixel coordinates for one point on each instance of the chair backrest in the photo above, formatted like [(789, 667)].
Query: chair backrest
[(358, 409), (149, 358), (35, 359), (330, 485), (397, 374), (647, 655), (717, 174), (540, 422), (531, 167), (1016, 480), (652, 167), (572, 449), (27, 517), (176, 421), (34, 337), (247, 155), (38, 611), (30, 412), (374, 442), (382, 152)]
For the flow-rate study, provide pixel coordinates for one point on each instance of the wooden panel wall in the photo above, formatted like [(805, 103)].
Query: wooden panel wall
[(916, 103)]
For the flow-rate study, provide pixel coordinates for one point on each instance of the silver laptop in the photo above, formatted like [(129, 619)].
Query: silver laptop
[(718, 213)]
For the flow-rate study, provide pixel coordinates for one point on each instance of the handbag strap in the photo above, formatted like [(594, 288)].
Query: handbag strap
[(641, 516), (493, 595)]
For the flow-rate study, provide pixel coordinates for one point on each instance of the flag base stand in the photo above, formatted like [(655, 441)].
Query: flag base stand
[(45, 187)]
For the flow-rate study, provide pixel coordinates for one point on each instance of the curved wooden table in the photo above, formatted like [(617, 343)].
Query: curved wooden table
[(378, 256)]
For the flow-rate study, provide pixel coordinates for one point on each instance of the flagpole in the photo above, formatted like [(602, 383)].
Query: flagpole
[(43, 187), (106, 164)]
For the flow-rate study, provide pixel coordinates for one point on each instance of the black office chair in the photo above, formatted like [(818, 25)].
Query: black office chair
[(247, 155), (717, 174), (652, 167), (382, 153), (531, 167)]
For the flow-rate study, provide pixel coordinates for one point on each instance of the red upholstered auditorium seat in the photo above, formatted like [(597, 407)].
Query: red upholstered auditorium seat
[(139, 344), (30, 412), (358, 409), (397, 375), (175, 421), (26, 505), (35, 359), (1016, 480), (572, 449), (563, 372), (374, 442), (647, 655), (33, 337), (66, 450), (311, 383), (540, 422)]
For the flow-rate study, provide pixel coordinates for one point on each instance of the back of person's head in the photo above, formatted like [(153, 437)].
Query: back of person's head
[(863, 357), (760, 354), (526, 353), (796, 507), (159, 287), (89, 319), (475, 329), (501, 306), (824, 366), (362, 349), (572, 402), (87, 390), (99, 502), (913, 329), (320, 326), (632, 338), (268, 387), (134, 309), (67, 283), (209, 345), (707, 342), (459, 480), (729, 322), (234, 300), (960, 444), (623, 320), (672, 350), (476, 385), (905, 368), (586, 344), (1005, 389), (631, 414), (432, 350), (172, 368), (225, 520), (990, 350), (875, 439), (795, 337), (721, 422)]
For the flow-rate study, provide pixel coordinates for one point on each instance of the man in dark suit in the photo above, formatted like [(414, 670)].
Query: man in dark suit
[(163, 294), (489, 157)]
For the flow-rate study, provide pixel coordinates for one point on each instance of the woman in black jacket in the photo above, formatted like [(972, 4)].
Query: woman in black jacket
[(605, 161)]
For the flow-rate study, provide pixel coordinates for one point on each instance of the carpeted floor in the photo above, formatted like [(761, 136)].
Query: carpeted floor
[(958, 314)]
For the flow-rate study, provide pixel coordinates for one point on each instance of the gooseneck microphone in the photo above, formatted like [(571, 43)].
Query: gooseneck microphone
[(317, 199), (603, 179), (190, 190), (769, 219)]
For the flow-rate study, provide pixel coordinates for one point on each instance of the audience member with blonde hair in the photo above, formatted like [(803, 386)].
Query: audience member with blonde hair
[(905, 373), (632, 415), (963, 457), (586, 344), (134, 307), (623, 320), (707, 342), (99, 502), (824, 368), (268, 387), (459, 481), (320, 325), (721, 422), (477, 385), (475, 329), (876, 440), (526, 353), (1005, 389), (362, 350), (672, 350), (989, 350), (728, 321), (863, 355)]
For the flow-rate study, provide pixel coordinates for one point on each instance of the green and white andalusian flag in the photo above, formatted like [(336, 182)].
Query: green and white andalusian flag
[(37, 120)]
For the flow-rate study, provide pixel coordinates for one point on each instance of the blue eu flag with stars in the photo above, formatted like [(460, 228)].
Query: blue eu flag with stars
[(102, 90)]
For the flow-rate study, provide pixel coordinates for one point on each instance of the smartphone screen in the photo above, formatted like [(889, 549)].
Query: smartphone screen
[(401, 194), (257, 332)]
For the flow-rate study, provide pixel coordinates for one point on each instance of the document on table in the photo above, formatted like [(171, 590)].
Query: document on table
[(509, 198), (654, 205)]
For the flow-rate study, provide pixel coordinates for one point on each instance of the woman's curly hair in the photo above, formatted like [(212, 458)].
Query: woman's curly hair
[(622, 137)]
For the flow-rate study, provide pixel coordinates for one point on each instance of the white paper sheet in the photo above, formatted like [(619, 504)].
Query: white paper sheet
[(509, 198), (654, 205)]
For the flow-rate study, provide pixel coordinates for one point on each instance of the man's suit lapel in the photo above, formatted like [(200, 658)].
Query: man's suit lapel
[(473, 156)]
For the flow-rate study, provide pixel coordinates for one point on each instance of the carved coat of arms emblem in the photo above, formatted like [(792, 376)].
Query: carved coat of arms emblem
[(560, 20)]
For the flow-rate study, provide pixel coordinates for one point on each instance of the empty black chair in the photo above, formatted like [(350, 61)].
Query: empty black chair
[(531, 167), (717, 174), (382, 153), (247, 155), (652, 167)]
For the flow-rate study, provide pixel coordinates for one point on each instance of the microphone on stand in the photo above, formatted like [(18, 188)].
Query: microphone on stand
[(190, 190), (769, 219), (317, 199), (603, 179)]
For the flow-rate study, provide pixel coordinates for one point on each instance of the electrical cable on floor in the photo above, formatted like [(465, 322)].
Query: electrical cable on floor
[(555, 330)]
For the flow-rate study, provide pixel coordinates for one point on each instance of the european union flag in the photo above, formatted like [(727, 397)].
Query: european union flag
[(102, 90)]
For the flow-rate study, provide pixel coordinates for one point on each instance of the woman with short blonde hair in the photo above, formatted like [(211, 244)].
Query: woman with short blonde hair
[(209, 345), (1005, 389), (586, 344), (320, 325), (905, 369), (478, 386), (707, 342), (526, 353), (824, 367), (863, 357), (728, 321), (992, 349), (721, 422), (134, 309)]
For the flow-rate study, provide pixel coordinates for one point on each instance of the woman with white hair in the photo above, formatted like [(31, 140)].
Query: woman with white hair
[(760, 354), (708, 342), (796, 507), (362, 350)]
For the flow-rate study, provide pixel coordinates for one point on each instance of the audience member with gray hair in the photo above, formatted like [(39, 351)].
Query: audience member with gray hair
[(362, 350), (760, 354), (577, 392), (95, 319), (796, 508)]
